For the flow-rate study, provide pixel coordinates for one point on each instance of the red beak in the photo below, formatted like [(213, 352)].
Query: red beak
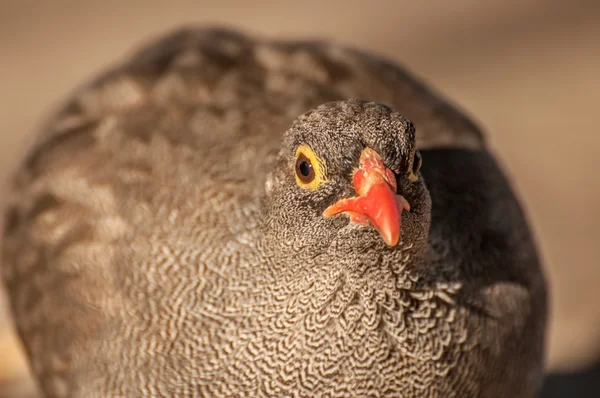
[(377, 202)]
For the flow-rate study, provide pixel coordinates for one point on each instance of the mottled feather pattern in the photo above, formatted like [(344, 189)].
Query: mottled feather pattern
[(136, 263)]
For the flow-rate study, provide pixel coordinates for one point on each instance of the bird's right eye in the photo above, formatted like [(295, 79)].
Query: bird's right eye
[(309, 168), (304, 169)]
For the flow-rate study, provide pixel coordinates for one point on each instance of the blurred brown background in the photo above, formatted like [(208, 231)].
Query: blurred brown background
[(528, 71)]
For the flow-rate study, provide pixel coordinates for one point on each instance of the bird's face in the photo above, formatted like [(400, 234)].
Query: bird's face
[(348, 174)]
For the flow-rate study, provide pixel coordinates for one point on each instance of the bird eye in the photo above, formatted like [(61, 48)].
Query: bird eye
[(417, 162), (416, 166), (304, 169), (309, 168)]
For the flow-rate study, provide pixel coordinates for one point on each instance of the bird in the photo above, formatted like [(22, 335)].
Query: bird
[(221, 214)]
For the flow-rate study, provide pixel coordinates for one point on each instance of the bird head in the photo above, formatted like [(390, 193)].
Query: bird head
[(348, 175)]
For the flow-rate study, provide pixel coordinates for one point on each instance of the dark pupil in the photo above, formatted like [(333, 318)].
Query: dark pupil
[(417, 162), (305, 168)]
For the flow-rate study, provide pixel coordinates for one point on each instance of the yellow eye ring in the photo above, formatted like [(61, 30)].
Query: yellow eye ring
[(415, 166), (309, 168)]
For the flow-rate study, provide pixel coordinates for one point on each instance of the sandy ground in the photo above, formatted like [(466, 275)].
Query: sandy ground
[(528, 71)]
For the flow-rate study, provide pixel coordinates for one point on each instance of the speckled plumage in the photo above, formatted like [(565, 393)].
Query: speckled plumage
[(155, 243)]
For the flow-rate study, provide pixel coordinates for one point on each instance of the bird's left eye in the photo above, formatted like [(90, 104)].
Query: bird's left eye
[(416, 166)]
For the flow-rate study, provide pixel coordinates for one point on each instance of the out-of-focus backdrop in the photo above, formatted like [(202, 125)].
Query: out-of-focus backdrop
[(527, 70)]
